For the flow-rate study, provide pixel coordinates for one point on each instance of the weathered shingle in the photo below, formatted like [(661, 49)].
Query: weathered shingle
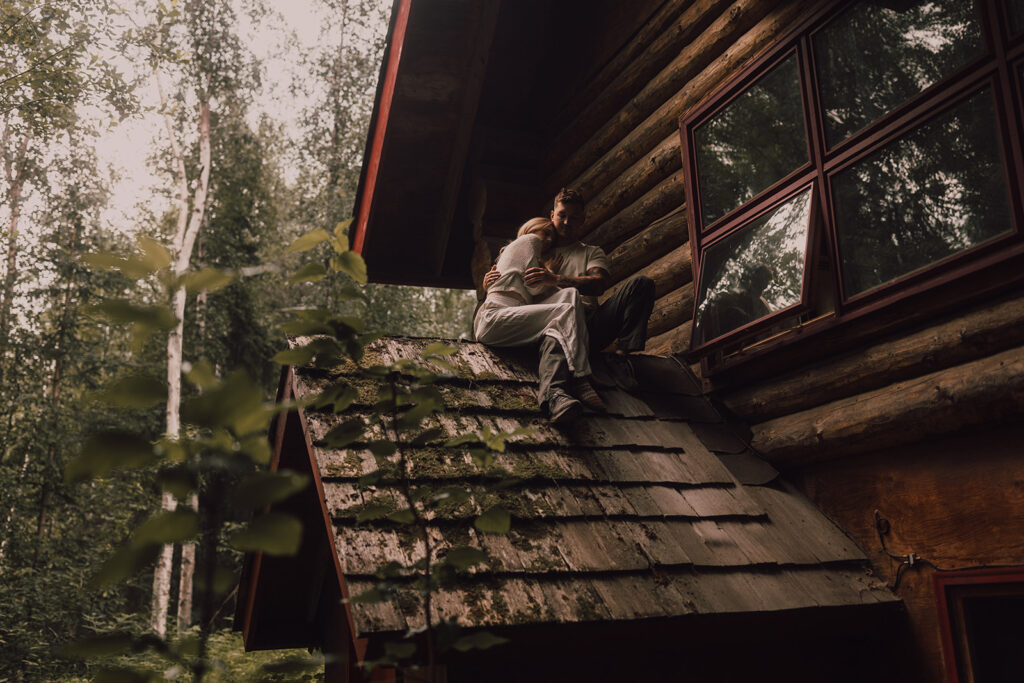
[(628, 515)]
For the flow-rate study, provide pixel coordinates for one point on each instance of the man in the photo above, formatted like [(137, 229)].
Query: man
[(621, 319)]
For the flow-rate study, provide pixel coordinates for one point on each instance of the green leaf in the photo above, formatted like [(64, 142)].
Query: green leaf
[(308, 241), (179, 481), (344, 434), (104, 452), (112, 674), (401, 650), (464, 557), (306, 328), (257, 448), (450, 495), (154, 255), (481, 640), (372, 511), (414, 416), (367, 597), (100, 645), (340, 395), (482, 457), (462, 439), (237, 403), (134, 391), (382, 449), (340, 241), (349, 293), (370, 479), (208, 279), (352, 264), (298, 356), (494, 520), (122, 311), (223, 580), (274, 533), (438, 349), (427, 436), (176, 526), (291, 667), (404, 516), (201, 375), (264, 488), (125, 562), (311, 272)]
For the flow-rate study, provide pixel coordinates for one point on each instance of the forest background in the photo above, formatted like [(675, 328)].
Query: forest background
[(222, 130)]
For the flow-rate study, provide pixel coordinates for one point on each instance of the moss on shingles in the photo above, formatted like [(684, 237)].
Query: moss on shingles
[(586, 605), (408, 602), (526, 465), (381, 499)]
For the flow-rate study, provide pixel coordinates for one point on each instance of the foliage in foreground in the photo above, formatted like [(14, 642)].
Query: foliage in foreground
[(223, 453)]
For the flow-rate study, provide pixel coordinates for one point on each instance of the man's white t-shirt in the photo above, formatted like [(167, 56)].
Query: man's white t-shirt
[(577, 259)]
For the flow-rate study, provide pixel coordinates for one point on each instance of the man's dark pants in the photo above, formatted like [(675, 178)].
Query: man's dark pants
[(622, 317)]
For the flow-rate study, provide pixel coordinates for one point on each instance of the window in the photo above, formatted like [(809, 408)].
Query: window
[(981, 619), (873, 154)]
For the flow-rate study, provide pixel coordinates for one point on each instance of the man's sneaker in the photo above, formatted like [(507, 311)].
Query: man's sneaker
[(562, 407), (583, 390)]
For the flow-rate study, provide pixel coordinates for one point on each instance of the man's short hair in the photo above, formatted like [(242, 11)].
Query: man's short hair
[(569, 195)]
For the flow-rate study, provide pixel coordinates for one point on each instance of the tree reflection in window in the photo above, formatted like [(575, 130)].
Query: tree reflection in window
[(875, 56), (928, 195), (755, 271), (754, 141)]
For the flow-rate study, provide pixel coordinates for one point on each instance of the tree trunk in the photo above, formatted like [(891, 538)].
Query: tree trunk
[(184, 239), (15, 177), (185, 581)]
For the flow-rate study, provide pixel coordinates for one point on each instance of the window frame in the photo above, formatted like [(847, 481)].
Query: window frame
[(999, 66), (944, 584)]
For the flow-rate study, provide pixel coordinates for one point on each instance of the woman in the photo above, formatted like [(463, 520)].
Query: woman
[(509, 316)]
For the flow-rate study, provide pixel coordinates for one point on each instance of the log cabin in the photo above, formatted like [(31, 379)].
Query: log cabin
[(828, 197)]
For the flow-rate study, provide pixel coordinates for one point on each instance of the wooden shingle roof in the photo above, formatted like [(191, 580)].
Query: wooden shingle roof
[(657, 509)]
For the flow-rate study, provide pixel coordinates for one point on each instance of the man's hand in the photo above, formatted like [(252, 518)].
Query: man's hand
[(490, 277), (540, 277)]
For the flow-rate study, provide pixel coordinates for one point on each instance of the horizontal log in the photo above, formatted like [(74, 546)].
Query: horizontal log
[(663, 37), (655, 241), (669, 272), (671, 310), (675, 341), (984, 391), (666, 195), (635, 142), (965, 338), (698, 53), (637, 180)]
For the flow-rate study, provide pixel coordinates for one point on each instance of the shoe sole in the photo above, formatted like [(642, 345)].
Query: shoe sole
[(570, 412)]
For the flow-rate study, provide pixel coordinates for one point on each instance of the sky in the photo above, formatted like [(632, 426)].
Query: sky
[(124, 149)]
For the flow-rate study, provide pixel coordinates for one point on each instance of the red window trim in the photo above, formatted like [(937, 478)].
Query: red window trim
[(968, 577), (997, 66)]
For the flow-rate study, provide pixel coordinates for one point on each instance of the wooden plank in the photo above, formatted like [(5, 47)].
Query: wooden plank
[(792, 513), (651, 243), (978, 392), (636, 140), (654, 542), (719, 544), (662, 198), (623, 404), (697, 53), (669, 272), (994, 327), (712, 501), (674, 342), (671, 310), (670, 501)]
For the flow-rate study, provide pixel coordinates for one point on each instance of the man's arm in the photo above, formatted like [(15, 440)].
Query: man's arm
[(592, 283)]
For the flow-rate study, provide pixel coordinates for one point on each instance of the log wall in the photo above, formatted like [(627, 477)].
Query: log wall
[(906, 422)]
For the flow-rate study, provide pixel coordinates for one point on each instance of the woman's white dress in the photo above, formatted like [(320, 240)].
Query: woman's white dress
[(503, 320)]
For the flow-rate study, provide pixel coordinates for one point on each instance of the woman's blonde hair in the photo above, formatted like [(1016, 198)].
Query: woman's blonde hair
[(533, 225)]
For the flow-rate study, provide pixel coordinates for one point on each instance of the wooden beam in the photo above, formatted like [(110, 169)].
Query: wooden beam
[(632, 142), (638, 63), (635, 181), (482, 25), (965, 338), (985, 391), (669, 272), (655, 241), (675, 341), (701, 51), (671, 310), (665, 196)]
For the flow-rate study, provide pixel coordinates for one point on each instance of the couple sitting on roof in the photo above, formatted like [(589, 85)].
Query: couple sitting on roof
[(544, 288)]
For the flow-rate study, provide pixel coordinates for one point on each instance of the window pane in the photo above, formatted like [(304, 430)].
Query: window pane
[(756, 140), (1015, 10), (872, 58), (756, 271), (933, 193)]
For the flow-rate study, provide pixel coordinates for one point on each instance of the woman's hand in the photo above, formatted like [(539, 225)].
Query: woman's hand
[(490, 277), (540, 277)]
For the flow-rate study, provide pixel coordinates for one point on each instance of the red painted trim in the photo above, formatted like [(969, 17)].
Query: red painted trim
[(387, 94), (966, 577), (354, 652), (284, 393)]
